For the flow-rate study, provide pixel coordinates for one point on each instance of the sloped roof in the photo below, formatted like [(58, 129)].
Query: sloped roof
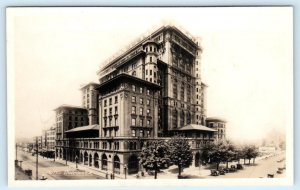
[(84, 128), (196, 127)]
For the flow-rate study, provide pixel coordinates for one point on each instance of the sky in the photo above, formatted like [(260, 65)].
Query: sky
[(247, 60)]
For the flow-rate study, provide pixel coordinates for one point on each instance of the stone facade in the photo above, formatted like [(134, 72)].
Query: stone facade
[(149, 92)]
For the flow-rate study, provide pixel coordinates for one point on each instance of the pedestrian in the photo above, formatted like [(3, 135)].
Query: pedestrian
[(106, 175)]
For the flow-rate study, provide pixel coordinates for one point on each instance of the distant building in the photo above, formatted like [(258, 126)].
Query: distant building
[(90, 102), (219, 125)]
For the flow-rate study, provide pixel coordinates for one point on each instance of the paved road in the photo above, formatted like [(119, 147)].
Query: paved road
[(53, 170), (260, 170)]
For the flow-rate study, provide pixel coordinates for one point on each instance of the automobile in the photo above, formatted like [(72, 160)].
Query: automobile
[(270, 175), (232, 168), (226, 170), (239, 166), (222, 171), (214, 172)]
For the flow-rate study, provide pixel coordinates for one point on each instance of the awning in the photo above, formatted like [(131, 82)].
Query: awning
[(84, 128), (196, 127)]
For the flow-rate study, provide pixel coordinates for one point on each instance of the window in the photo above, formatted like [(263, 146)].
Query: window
[(150, 59), (154, 73), (148, 92), (150, 48), (141, 133), (105, 122), (148, 102), (104, 103), (116, 121), (110, 122), (110, 101), (141, 111), (133, 133), (105, 112), (133, 110), (146, 72), (133, 121), (148, 111), (141, 100), (116, 110), (150, 72), (141, 122), (133, 99), (150, 79), (141, 89), (110, 111), (148, 122), (148, 133), (116, 99), (133, 88)]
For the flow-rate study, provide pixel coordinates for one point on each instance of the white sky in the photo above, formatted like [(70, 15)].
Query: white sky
[(247, 60)]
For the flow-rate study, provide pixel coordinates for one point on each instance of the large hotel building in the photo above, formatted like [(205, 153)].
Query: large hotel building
[(152, 91)]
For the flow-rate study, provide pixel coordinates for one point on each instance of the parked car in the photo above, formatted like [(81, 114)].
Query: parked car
[(222, 171), (214, 172), (239, 166), (232, 168)]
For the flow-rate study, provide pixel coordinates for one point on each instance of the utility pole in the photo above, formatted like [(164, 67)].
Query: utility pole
[(37, 160)]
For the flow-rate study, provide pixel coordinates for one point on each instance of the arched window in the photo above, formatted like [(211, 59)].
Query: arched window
[(86, 158), (133, 164), (116, 164), (104, 162), (133, 73), (96, 160)]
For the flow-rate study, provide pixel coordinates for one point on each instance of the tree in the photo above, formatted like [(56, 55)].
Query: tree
[(218, 153), (180, 153), (250, 151), (154, 156), (230, 152)]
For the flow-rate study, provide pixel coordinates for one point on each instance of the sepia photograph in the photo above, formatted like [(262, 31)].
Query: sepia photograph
[(167, 95)]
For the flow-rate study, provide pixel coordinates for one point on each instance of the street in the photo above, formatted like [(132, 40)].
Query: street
[(52, 170)]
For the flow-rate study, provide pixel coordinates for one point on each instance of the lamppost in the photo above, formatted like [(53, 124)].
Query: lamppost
[(125, 169), (76, 160)]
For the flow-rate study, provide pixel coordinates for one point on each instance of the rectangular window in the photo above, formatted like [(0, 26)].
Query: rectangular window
[(148, 122), (141, 133), (133, 110), (133, 132), (150, 72), (116, 121), (141, 90), (133, 121), (116, 99), (110, 111), (148, 92), (148, 111), (110, 101), (116, 110), (150, 61), (104, 103), (154, 73), (146, 71), (141, 111), (105, 112), (133, 88), (148, 102), (133, 99), (148, 133), (141, 101)]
